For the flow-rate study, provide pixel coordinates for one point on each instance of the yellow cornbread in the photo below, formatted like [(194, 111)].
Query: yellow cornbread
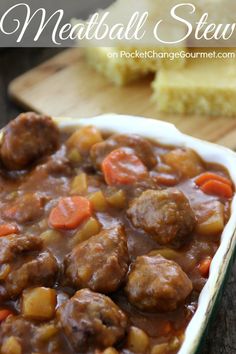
[(204, 86), (119, 67)]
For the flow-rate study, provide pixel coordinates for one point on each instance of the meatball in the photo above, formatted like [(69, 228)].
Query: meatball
[(91, 320), (12, 245), (40, 271), (27, 138), (24, 209), (157, 284), (99, 263), (141, 147), (165, 214), (185, 162)]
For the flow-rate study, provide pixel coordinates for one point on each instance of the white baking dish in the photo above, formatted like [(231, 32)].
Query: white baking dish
[(167, 134)]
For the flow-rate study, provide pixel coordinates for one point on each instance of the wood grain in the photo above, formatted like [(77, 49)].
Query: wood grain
[(67, 86)]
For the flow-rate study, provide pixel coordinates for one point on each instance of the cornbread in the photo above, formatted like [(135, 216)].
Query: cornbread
[(124, 61), (204, 86), (120, 68)]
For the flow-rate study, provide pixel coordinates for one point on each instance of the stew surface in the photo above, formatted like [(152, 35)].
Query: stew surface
[(105, 241)]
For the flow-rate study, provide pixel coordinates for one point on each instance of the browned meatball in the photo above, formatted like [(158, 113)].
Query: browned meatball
[(185, 162), (91, 320), (157, 284), (165, 214), (12, 245), (141, 147), (24, 209), (27, 138), (100, 263), (40, 271)]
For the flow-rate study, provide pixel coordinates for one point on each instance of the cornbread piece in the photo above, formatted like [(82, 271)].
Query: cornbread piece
[(205, 86), (131, 58), (121, 68)]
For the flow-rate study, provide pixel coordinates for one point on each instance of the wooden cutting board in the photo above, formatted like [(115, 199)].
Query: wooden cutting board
[(66, 86)]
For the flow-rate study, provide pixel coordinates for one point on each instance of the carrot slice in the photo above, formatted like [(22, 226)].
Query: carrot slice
[(217, 188), (204, 267), (70, 212), (4, 314), (122, 166), (208, 176), (8, 229)]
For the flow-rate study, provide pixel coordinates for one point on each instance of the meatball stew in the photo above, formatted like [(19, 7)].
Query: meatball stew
[(105, 241)]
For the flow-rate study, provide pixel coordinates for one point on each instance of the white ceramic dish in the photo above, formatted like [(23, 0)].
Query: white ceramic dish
[(167, 134)]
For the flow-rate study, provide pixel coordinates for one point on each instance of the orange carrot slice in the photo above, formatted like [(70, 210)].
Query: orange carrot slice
[(70, 212), (4, 314), (208, 176), (204, 267), (8, 229), (217, 188), (122, 166)]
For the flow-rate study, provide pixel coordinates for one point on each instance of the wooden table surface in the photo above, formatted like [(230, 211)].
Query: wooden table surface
[(221, 338)]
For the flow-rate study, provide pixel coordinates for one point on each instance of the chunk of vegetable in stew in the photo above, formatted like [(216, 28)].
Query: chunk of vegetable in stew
[(70, 212), (39, 303), (8, 229), (106, 241), (121, 166)]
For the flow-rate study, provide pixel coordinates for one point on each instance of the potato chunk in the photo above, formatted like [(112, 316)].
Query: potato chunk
[(98, 201), (11, 346), (90, 228), (84, 138), (79, 185), (51, 237), (137, 341), (39, 303), (211, 219), (46, 332), (160, 348), (74, 156), (117, 199)]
